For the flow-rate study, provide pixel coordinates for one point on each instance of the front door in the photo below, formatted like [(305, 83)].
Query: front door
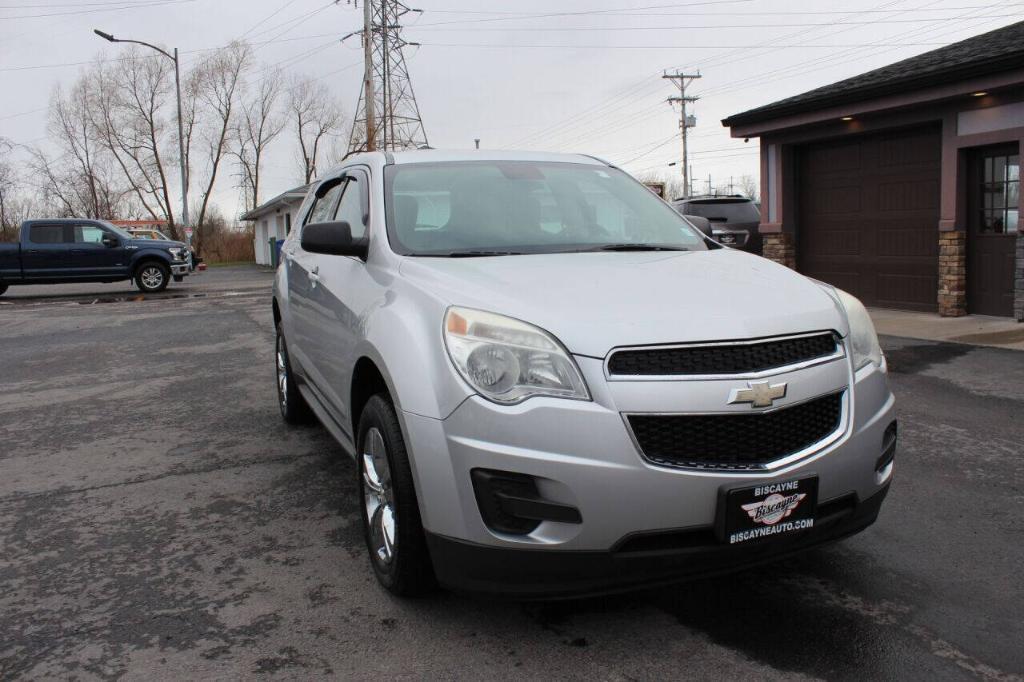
[(305, 337), (994, 206), (91, 257), (345, 293)]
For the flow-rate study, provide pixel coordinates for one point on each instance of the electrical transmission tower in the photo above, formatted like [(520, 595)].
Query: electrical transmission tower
[(392, 119), (685, 122)]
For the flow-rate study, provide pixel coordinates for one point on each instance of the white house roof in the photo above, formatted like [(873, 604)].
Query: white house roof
[(292, 196)]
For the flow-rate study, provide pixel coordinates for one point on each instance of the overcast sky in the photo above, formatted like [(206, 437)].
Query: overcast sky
[(560, 75)]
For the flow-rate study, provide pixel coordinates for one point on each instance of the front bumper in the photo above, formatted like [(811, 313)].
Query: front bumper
[(582, 456), (179, 269), (644, 560)]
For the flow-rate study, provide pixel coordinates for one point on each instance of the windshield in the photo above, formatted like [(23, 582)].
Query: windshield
[(497, 208), (725, 211)]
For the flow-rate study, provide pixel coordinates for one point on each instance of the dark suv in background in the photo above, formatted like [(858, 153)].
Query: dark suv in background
[(734, 219)]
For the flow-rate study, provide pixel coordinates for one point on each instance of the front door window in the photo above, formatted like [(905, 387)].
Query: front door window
[(1000, 193)]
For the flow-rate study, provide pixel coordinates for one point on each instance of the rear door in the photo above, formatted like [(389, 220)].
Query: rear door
[(46, 252)]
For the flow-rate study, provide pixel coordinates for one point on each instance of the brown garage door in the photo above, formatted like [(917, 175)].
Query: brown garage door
[(869, 214)]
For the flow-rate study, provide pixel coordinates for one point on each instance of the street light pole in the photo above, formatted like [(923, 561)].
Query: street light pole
[(181, 135)]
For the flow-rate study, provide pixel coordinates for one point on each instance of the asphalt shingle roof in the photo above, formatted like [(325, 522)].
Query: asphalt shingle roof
[(985, 54)]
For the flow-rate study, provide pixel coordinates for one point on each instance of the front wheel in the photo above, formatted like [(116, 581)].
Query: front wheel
[(391, 516), (294, 408), (152, 277)]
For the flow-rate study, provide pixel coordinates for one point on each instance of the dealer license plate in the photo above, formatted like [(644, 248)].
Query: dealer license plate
[(767, 510)]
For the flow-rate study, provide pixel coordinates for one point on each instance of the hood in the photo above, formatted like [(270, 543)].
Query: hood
[(157, 243), (594, 302)]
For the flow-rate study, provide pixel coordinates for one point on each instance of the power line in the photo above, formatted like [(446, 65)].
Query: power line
[(691, 27), (675, 47), (121, 8)]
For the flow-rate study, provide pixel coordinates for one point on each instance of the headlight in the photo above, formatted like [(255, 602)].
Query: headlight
[(863, 339), (508, 361), (177, 252)]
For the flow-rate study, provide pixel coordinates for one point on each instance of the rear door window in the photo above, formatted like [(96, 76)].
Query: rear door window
[(48, 234), (723, 211)]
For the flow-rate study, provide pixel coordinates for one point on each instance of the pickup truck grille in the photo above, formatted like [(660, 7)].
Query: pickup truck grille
[(736, 441), (718, 359)]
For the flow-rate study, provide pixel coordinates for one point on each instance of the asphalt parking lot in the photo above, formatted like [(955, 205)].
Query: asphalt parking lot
[(158, 520)]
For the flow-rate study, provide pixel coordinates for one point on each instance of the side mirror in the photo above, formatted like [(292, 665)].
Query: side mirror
[(110, 241), (702, 224), (333, 239)]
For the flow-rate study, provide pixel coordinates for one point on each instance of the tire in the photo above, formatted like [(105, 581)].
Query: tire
[(294, 409), (152, 277), (179, 278), (391, 517)]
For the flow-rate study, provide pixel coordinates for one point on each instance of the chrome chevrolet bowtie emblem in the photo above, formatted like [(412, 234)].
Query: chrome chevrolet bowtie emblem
[(759, 393)]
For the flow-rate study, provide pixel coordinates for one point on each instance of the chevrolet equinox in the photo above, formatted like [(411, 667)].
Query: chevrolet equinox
[(552, 384)]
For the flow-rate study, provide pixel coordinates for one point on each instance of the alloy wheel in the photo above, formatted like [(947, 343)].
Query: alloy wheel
[(282, 375), (152, 277), (378, 497)]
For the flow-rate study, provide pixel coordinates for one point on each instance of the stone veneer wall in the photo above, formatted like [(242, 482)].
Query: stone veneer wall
[(1018, 276), (953, 273), (780, 247)]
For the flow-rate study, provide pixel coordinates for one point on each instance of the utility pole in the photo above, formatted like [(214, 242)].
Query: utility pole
[(387, 116), (368, 90), (684, 79)]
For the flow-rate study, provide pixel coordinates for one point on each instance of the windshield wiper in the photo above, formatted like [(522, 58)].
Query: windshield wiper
[(474, 254), (637, 247)]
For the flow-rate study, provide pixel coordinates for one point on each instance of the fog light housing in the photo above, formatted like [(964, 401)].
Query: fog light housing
[(511, 503), (888, 448)]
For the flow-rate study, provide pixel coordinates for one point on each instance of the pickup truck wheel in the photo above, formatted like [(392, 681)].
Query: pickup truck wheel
[(391, 516), (152, 277), (293, 406)]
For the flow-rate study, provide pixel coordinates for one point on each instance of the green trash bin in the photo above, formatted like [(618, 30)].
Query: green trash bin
[(274, 253)]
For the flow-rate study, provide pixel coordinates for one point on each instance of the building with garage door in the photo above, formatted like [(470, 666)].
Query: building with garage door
[(902, 185)]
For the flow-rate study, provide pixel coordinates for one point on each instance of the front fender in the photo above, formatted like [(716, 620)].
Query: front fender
[(148, 254), (406, 345)]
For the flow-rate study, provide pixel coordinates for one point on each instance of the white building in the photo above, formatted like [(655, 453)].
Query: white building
[(274, 219)]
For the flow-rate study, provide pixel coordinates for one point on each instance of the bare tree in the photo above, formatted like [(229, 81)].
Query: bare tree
[(673, 183), (8, 187), (316, 115), (748, 187), (259, 122), (218, 82), (78, 180)]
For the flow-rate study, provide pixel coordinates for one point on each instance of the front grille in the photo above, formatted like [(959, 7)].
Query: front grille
[(736, 441), (733, 358)]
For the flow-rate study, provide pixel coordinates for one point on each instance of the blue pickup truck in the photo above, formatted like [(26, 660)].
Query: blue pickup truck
[(72, 250)]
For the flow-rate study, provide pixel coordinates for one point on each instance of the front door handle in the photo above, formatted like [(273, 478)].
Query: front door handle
[(314, 275)]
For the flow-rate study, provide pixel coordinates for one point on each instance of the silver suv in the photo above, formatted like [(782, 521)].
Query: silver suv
[(552, 384)]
